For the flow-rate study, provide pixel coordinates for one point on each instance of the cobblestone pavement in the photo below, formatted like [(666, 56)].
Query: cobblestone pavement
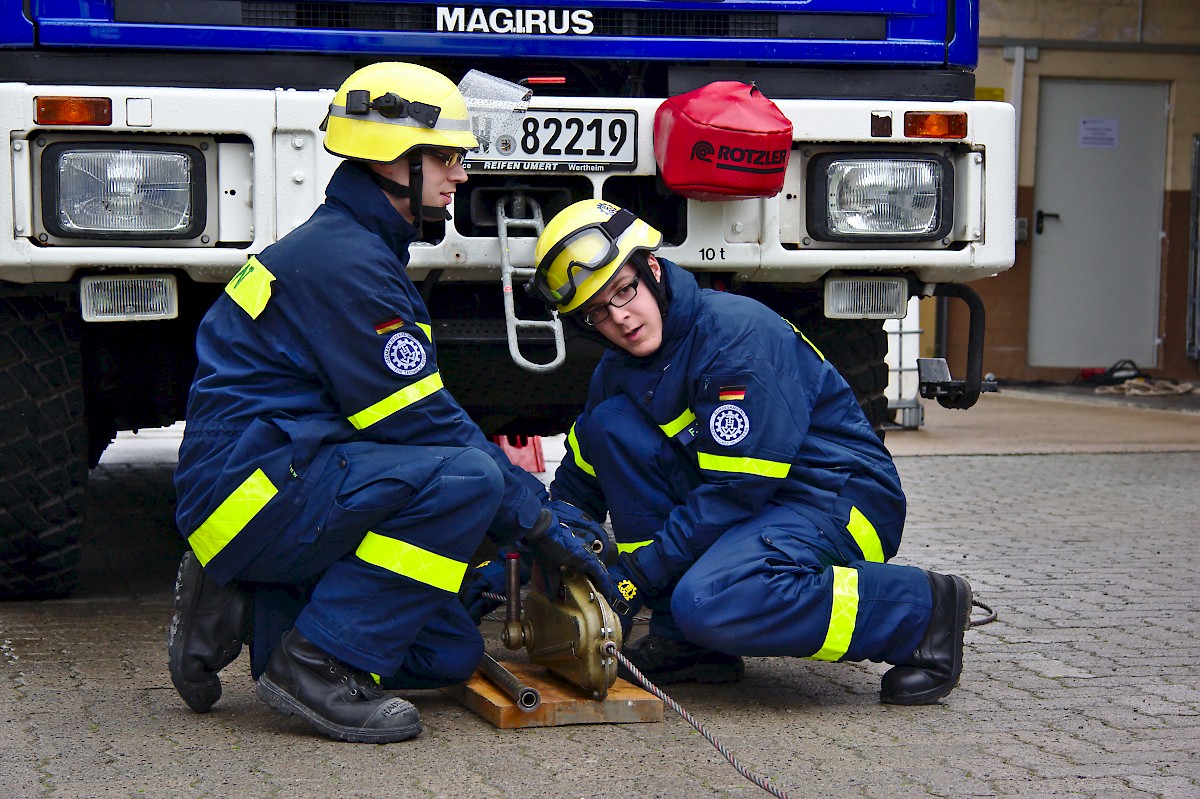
[(1086, 686)]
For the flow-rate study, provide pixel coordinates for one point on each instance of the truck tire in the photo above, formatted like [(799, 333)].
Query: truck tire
[(43, 448), (857, 348)]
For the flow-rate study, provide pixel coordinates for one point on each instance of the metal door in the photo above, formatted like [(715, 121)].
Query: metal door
[(1097, 226)]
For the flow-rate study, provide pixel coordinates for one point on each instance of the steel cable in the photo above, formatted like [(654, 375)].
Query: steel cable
[(757, 779)]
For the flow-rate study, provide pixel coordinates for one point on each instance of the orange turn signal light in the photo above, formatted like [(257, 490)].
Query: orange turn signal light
[(935, 124), (72, 110)]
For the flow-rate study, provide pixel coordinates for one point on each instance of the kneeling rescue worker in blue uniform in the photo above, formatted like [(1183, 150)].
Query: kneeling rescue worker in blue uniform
[(754, 506), (330, 488)]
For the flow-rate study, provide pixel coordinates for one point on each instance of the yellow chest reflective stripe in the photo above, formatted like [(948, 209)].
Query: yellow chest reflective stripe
[(232, 515), (842, 615), (397, 401), (250, 288), (865, 536), (756, 466), (410, 560), (679, 423), (573, 443)]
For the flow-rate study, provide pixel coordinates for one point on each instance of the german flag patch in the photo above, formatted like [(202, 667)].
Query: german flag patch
[(387, 324), (729, 393)]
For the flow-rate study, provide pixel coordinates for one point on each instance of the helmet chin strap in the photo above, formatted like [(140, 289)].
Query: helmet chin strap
[(413, 192)]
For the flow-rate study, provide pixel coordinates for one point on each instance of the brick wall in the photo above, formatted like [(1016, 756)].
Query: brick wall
[(1096, 39)]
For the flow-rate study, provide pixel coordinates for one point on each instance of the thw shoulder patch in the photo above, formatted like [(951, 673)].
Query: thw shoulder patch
[(250, 288)]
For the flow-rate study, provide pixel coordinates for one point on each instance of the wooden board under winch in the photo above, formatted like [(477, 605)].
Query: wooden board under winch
[(562, 704)]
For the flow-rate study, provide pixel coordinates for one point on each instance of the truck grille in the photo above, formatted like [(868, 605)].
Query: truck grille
[(608, 22)]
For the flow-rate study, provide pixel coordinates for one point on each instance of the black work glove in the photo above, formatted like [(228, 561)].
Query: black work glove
[(593, 534), (627, 599), (487, 577), (554, 544)]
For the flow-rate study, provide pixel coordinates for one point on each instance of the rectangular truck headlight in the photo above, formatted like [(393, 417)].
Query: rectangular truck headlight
[(855, 197), (123, 191), (866, 297), (124, 298)]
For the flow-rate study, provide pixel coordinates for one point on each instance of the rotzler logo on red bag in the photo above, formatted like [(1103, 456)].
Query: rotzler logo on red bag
[(740, 158), (723, 141)]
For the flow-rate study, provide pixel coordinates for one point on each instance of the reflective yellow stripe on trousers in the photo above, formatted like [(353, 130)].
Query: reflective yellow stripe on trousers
[(412, 561), (573, 442), (865, 536), (232, 515), (632, 546), (842, 615)]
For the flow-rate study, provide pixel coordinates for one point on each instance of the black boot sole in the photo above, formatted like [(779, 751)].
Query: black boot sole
[(283, 702), (962, 623), (199, 696), (700, 673)]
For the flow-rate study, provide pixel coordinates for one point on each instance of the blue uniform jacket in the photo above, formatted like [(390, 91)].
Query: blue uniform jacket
[(322, 338), (759, 413)]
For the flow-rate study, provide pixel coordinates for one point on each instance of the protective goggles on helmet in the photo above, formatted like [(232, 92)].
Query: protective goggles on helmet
[(586, 250)]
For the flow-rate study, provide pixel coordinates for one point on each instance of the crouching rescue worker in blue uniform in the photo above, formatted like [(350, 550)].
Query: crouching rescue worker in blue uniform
[(754, 506), (330, 488)]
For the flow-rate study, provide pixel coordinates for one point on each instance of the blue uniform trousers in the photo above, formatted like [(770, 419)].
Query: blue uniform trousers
[(767, 586), (428, 508)]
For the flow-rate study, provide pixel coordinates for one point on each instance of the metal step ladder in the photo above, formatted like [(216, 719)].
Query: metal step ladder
[(526, 213)]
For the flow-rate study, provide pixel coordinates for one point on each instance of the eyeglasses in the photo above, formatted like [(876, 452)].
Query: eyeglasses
[(451, 158), (620, 299)]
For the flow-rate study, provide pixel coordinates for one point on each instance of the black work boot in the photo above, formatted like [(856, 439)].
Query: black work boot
[(934, 667), (664, 661), (206, 633), (337, 700)]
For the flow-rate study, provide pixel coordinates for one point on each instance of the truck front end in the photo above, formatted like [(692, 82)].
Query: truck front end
[(151, 150)]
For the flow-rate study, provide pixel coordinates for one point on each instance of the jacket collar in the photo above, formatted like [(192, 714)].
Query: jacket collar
[(679, 320), (352, 190)]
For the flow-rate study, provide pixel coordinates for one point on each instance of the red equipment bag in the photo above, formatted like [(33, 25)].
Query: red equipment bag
[(723, 141)]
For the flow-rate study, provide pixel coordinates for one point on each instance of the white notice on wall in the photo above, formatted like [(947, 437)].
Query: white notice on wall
[(1099, 132)]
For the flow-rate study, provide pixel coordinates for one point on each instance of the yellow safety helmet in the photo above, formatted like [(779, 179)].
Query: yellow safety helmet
[(383, 111), (581, 249)]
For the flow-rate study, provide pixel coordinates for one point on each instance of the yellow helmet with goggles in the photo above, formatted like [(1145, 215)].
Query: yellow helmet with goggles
[(581, 249), (383, 111)]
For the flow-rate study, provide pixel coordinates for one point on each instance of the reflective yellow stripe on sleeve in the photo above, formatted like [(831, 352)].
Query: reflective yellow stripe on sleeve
[(428, 330), (841, 616), (632, 546), (755, 466), (573, 442), (231, 516), (865, 536), (398, 401), (806, 339), (682, 421), (412, 561), (251, 287)]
